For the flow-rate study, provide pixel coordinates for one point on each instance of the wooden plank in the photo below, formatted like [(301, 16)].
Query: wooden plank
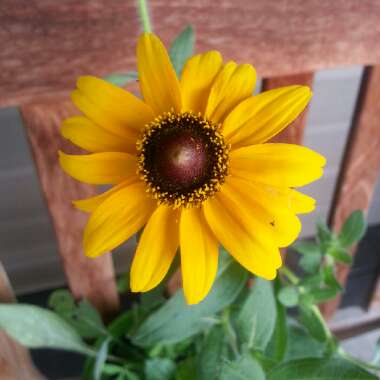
[(361, 165), (47, 44), (89, 278), (15, 361), (294, 133)]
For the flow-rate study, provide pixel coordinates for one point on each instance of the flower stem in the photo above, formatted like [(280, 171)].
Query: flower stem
[(144, 15), (292, 277)]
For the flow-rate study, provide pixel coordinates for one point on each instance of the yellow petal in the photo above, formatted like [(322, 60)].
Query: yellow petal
[(199, 255), (282, 165), (90, 204), (197, 77), (158, 80), (263, 116), (270, 206), (233, 84), (301, 203), (156, 250), (119, 217), (249, 241), (87, 135), (99, 168), (111, 107)]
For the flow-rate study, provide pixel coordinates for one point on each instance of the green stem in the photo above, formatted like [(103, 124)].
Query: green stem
[(232, 339), (144, 15), (292, 277)]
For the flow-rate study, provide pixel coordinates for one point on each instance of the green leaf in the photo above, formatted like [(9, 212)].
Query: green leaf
[(89, 321), (277, 346), (310, 263), (257, 318), (61, 300), (329, 277), (159, 369), (312, 320), (340, 254), (323, 233), (307, 248), (301, 344), (122, 79), (322, 295), (245, 368), (319, 369), (210, 358), (182, 48), (353, 229), (186, 370), (288, 296), (84, 318), (312, 281), (36, 327), (101, 359), (176, 321)]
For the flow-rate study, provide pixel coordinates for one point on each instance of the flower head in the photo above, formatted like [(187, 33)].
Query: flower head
[(190, 163)]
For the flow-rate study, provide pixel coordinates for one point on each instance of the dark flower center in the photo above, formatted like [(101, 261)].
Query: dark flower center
[(182, 158)]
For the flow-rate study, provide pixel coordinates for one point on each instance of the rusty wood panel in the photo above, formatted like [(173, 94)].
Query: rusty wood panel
[(294, 133), (89, 278), (15, 361), (46, 44), (361, 165)]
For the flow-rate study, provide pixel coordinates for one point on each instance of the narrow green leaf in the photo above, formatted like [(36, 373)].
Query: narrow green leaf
[(319, 369), (339, 254), (122, 79), (182, 48), (312, 320), (36, 327), (330, 279), (323, 233), (159, 369), (288, 296), (353, 229), (277, 346), (210, 359), (101, 359), (322, 295), (257, 318), (245, 368), (176, 321)]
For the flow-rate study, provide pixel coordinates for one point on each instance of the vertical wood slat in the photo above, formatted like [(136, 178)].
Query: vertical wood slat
[(15, 361), (87, 278), (361, 165), (294, 133)]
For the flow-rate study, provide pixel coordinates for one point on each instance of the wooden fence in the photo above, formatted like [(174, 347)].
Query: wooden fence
[(46, 45)]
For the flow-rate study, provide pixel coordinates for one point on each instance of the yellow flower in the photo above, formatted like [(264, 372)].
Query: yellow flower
[(191, 163)]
